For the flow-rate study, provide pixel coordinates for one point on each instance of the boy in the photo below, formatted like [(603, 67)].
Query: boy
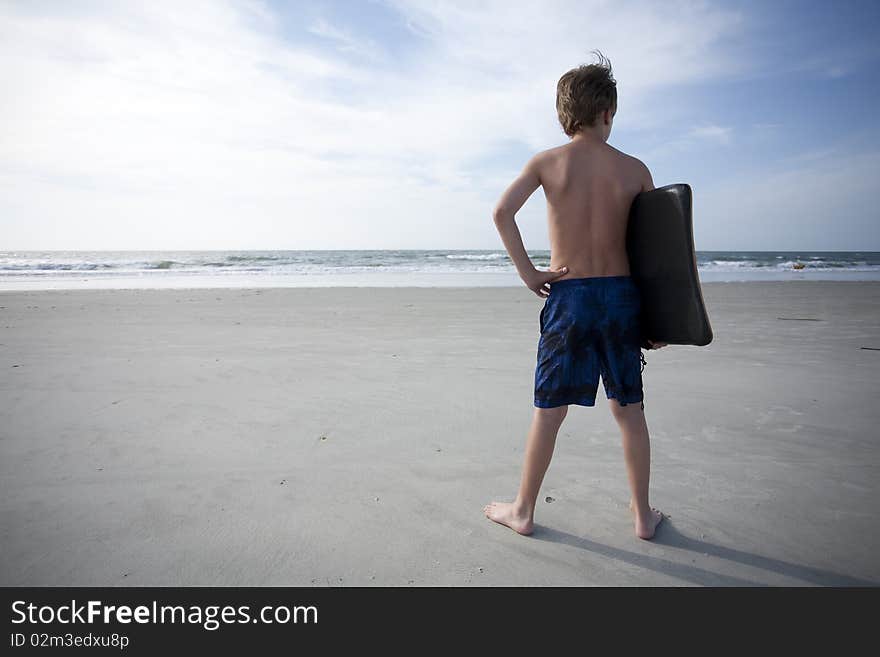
[(589, 322)]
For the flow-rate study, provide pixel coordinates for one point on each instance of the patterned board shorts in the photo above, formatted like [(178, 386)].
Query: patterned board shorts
[(590, 326)]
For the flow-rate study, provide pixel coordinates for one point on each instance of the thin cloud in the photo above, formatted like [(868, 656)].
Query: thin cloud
[(169, 125), (836, 72), (714, 133), (346, 42)]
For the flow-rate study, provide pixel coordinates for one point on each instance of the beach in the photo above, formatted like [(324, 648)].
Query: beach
[(346, 436)]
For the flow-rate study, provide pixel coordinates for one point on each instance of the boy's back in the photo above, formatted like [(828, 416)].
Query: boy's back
[(589, 187)]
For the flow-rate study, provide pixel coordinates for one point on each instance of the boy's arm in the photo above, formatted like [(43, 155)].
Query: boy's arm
[(504, 215), (647, 186), (647, 180)]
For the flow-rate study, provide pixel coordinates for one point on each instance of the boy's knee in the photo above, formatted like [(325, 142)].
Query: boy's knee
[(555, 414), (621, 411)]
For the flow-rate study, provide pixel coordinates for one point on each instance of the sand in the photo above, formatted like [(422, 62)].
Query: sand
[(351, 436)]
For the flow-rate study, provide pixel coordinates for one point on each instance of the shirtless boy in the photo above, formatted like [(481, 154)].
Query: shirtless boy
[(589, 322)]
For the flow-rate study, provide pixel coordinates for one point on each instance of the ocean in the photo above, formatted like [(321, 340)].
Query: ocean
[(437, 268)]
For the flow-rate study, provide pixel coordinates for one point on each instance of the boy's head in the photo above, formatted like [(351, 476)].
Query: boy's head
[(586, 98)]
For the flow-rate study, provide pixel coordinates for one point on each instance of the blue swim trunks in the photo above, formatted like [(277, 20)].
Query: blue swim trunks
[(590, 326)]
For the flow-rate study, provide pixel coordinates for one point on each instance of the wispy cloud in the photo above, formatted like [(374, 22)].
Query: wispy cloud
[(714, 133), (347, 42), (210, 124)]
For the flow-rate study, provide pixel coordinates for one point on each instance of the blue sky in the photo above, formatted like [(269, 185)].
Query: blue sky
[(391, 124)]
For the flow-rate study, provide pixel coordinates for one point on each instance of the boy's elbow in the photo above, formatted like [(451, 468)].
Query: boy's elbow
[(501, 214)]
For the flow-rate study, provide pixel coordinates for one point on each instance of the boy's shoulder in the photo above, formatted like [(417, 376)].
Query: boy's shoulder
[(635, 165), (565, 148), (548, 157), (553, 152), (537, 163), (631, 159), (542, 157)]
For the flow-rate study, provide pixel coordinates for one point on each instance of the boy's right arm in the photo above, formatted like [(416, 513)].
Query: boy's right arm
[(647, 182), (645, 176)]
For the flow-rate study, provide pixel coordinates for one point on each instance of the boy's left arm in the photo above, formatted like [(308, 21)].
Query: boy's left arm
[(504, 214)]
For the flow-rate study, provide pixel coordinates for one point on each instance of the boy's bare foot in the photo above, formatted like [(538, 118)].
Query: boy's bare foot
[(506, 514), (646, 527)]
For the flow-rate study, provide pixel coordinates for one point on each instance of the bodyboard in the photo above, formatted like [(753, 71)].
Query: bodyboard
[(663, 265)]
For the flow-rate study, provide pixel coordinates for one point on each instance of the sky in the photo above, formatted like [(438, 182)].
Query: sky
[(384, 124)]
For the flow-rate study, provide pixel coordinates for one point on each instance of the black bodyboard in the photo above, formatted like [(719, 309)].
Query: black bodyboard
[(663, 265)]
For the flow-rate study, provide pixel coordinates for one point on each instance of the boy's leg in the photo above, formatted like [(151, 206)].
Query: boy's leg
[(621, 358), (637, 454), (519, 514)]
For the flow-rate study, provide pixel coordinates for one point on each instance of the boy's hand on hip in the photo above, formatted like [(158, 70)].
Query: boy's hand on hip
[(537, 281), (656, 345)]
